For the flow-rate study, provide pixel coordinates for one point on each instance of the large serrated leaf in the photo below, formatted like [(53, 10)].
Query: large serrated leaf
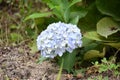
[(106, 26)]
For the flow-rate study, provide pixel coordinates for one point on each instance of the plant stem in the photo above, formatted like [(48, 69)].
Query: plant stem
[(60, 71)]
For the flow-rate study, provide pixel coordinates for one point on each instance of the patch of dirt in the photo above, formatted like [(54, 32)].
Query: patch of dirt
[(18, 63)]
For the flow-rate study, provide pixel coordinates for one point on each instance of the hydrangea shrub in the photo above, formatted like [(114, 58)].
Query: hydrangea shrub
[(58, 38)]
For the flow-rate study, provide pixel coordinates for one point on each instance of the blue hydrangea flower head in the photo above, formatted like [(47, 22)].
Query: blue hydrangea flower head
[(59, 38)]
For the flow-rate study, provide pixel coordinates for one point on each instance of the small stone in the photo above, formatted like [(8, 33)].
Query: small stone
[(79, 76)]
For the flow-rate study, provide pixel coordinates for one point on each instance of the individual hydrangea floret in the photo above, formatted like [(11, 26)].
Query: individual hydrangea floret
[(59, 38)]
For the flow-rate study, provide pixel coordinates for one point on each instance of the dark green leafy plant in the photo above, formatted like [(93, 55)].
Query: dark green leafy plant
[(97, 19), (62, 10), (100, 28), (110, 9)]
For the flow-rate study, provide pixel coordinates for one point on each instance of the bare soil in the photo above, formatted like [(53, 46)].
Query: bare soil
[(17, 63)]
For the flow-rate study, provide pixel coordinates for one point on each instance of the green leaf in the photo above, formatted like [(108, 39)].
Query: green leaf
[(115, 45), (109, 7), (74, 2), (86, 41), (52, 3), (89, 46), (66, 15), (65, 11), (59, 8), (58, 13), (69, 60), (88, 23), (93, 35), (38, 15), (94, 54), (106, 26), (76, 15), (15, 37), (75, 20)]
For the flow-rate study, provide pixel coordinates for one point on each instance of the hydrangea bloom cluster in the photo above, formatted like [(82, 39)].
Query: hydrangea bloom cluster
[(59, 38)]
